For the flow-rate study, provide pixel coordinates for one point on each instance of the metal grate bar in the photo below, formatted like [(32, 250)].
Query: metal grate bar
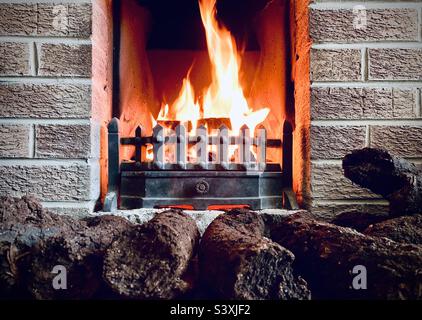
[(161, 141), (158, 146), (181, 147), (202, 146)]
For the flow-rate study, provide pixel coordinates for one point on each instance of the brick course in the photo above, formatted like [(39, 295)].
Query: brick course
[(404, 140), (337, 25), (363, 103), (65, 60), (329, 183), (70, 20), (395, 64), (334, 142), (63, 141), (47, 182), (48, 101), (335, 65), (18, 19), (46, 19)]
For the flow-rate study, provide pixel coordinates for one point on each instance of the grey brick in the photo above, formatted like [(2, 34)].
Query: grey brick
[(404, 141), (14, 59), (327, 211), (14, 141), (363, 103), (395, 64), (334, 142), (382, 25), (65, 60), (18, 19), (404, 103), (329, 183), (67, 19), (45, 100), (335, 64), (46, 19), (47, 182), (62, 141)]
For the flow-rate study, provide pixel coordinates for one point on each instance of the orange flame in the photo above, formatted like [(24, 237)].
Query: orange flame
[(184, 108), (224, 97)]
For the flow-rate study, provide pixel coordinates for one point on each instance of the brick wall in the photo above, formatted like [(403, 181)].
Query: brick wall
[(365, 91), (49, 135)]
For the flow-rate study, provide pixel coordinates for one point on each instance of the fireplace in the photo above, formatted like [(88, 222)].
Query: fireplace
[(62, 80), (204, 117), (220, 106)]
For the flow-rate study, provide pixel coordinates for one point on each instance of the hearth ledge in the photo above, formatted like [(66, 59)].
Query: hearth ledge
[(202, 218)]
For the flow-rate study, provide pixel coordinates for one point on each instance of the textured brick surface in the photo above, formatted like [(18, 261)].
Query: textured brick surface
[(363, 103), (335, 65), (18, 19), (395, 64), (405, 141), (14, 141), (44, 100), (67, 19), (328, 211), (65, 60), (382, 24), (328, 182), (60, 180), (48, 182), (389, 63), (334, 142), (46, 19), (14, 59), (62, 141)]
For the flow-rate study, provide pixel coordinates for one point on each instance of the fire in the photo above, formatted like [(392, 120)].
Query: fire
[(224, 98), (184, 109)]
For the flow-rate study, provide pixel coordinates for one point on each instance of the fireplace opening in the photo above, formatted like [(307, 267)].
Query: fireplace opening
[(205, 105)]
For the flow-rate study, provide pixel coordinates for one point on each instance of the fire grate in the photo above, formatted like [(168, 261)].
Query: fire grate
[(203, 170)]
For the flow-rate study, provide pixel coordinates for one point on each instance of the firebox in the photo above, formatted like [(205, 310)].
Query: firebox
[(204, 107)]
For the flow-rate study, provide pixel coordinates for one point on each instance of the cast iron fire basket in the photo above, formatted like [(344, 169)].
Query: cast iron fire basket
[(204, 183)]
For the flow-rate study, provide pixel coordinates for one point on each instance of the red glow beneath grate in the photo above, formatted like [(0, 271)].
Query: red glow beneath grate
[(182, 206), (228, 207)]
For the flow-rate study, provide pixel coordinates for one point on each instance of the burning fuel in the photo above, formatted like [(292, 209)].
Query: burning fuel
[(224, 98)]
